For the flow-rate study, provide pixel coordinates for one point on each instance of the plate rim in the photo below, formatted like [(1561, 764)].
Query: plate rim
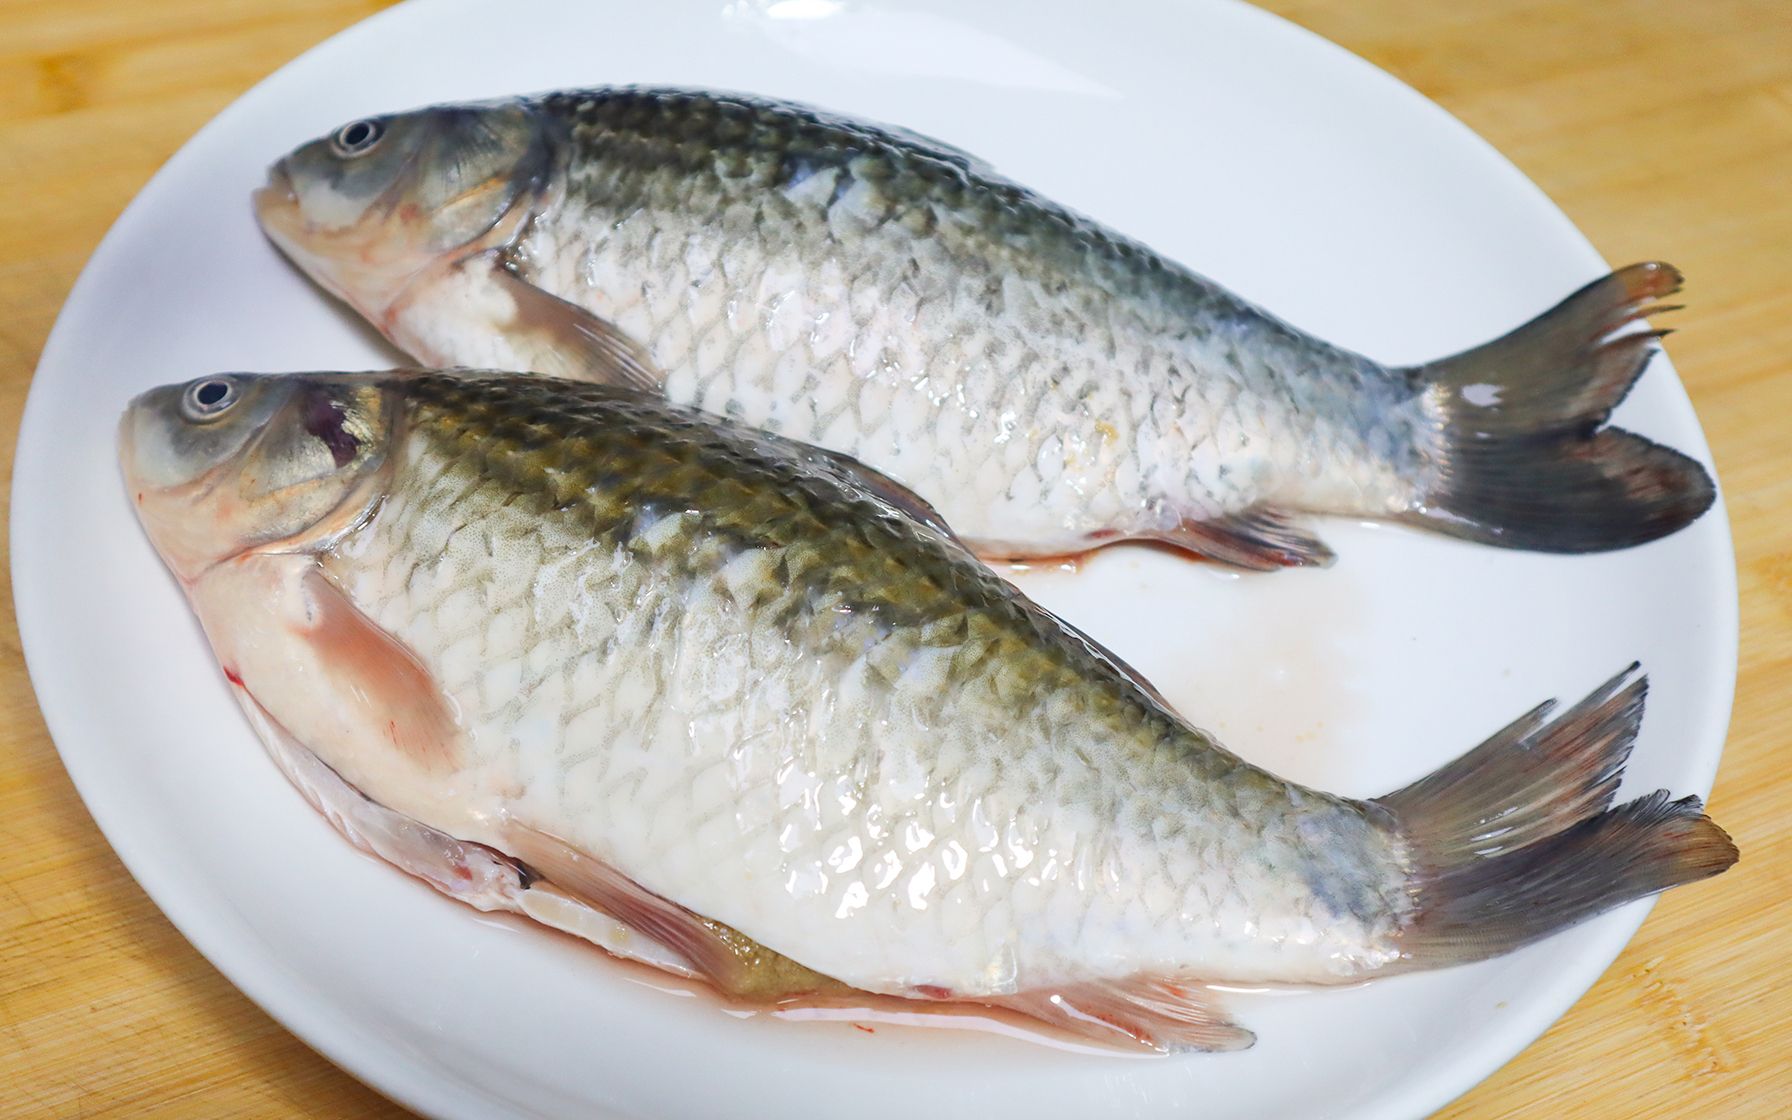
[(300, 1008)]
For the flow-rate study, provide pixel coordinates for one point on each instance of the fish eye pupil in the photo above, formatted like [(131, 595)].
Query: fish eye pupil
[(209, 398), (358, 136)]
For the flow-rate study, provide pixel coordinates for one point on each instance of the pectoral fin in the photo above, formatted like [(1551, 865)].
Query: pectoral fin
[(378, 672), (579, 345)]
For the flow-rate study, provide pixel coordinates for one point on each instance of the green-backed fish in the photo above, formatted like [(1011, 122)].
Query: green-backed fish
[(1048, 384), (722, 702)]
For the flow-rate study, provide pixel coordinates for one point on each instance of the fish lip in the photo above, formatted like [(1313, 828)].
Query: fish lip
[(277, 194), (125, 440), (279, 178)]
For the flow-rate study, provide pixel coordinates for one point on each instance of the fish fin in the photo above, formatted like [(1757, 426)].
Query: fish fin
[(569, 913), (1532, 778), (1138, 679), (887, 489), (935, 148), (471, 873), (398, 690), (733, 963), (1147, 1011), (1526, 463), (468, 872), (1259, 539), (1514, 841), (584, 347)]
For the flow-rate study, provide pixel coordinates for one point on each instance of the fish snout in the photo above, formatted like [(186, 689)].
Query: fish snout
[(144, 451), (153, 480), (278, 192)]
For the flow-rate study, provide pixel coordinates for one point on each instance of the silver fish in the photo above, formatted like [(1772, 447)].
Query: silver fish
[(1048, 384), (718, 701)]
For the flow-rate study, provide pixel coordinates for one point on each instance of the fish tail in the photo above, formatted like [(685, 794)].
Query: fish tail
[(1516, 839), (1527, 463)]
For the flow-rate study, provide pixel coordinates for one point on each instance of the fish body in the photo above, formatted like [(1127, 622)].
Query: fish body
[(1048, 384), (575, 651)]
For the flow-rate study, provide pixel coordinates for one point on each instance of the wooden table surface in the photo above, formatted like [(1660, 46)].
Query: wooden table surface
[(1663, 128)]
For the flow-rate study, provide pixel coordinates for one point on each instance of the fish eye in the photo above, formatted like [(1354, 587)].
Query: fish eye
[(356, 138), (207, 399)]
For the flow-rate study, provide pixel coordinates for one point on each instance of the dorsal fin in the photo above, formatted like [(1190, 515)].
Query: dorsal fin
[(938, 149), (887, 488), (1114, 661)]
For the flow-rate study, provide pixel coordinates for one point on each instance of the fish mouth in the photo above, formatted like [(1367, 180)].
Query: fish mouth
[(129, 438), (276, 196), (126, 441)]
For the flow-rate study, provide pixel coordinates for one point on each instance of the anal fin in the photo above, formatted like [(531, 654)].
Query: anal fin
[(1145, 1011), (1259, 539), (736, 965), (580, 345)]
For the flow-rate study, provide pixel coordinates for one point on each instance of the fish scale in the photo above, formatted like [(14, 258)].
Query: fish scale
[(989, 309), (697, 760)]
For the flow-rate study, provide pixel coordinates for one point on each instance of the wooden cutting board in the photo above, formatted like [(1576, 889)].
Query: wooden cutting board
[(1663, 129)]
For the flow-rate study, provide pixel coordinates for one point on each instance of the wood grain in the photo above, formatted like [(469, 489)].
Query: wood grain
[(1664, 129)]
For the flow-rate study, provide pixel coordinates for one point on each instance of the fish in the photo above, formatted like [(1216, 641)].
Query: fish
[(1049, 385), (719, 702)]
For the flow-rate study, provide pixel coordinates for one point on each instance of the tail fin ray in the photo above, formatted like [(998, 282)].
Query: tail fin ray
[(1531, 779), (1526, 463), (1472, 911), (1516, 840)]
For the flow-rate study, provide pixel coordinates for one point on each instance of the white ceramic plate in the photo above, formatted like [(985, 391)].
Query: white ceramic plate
[(1270, 160)]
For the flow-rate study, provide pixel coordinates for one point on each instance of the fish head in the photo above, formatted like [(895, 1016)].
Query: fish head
[(236, 462), (367, 208)]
